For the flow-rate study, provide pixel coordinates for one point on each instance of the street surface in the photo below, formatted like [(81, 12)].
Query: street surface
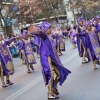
[(82, 84)]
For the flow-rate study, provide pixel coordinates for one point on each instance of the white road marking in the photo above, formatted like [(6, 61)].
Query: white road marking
[(70, 58), (28, 86)]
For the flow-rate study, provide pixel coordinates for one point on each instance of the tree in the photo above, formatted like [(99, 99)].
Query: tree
[(86, 7), (8, 9), (37, 9), (50, 8), (27, 11)]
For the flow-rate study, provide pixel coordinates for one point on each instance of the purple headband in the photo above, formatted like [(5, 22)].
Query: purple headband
[(88, 24), (20, 35), (97, 17), (25, 32), (57, 27), (80, 19), (93, 19), (44, 26)]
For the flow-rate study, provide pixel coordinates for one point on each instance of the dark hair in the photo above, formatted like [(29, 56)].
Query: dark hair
[(68, 29), (74, 27)]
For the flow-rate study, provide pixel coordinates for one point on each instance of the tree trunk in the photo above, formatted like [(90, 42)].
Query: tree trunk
[(3, 27), (4, 31)]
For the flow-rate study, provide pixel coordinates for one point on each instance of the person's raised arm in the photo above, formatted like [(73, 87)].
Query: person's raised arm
[(33, 30)]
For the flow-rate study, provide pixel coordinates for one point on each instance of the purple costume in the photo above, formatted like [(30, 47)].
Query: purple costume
[(60, 40), (26, 46), (72, 36), (54, 39), (48, 50), (97, 27), (5, 57), (81, 35), (92, 44)]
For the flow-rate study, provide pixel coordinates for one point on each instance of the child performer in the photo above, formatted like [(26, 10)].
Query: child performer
[(6, 64), (26, 46), (92, 44)]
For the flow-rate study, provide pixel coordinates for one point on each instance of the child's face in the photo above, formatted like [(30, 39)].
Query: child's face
[(89, 28), (80, 22), (49, 31), (25, 37), (72, 27), (1, 38), (99, 20)]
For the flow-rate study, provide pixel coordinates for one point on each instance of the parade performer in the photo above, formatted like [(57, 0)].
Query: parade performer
[(26, 46), (72, 34), (98, 26), (60, 41), (51, 64), (81, 36), (93, 22), (21, 51), (54, 38), (6, 64), (92, 44)]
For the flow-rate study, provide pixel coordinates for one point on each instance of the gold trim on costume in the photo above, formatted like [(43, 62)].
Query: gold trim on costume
[(10, 67), (99, 35), (61, 46), (30, 58)]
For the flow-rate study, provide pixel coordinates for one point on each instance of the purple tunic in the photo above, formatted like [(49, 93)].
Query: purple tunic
[(72, 36), (54, 41), (97, 25), (60, 42), (98, 30), (37, 41), (81, 36), (5, 57), (26, 46), (48, 50), (93, 45)]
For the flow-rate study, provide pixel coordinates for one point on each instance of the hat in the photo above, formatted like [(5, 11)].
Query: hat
[(58, 28), (25, 32), (44, 26), (80, 19), (97, 17), (93, 19), (88, 24), (20, 35)]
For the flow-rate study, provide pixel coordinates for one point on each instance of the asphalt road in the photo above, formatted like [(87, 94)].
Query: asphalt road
[(82, 84)]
